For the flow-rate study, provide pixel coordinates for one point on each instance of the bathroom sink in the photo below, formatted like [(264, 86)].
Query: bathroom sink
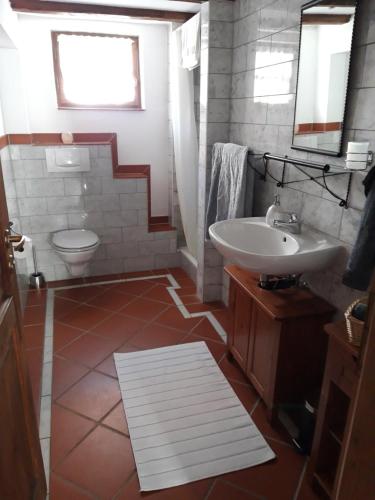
[(252, 244)]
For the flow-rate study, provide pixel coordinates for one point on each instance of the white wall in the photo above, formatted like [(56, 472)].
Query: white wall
[(12, 93), (2, 125), (9, 30), (142, 135)]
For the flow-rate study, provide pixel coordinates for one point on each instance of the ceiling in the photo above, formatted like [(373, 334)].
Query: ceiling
[(167, 5)]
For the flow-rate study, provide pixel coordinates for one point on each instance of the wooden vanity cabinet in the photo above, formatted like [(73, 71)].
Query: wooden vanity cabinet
[(277, 339)]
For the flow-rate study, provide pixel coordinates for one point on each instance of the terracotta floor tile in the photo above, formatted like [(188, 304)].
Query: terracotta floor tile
[(103, 277), (155, 335), (226, 491), (182, 278), (65, 374), (206, 306), (144, 309), (34, 315), (108, 365), (119, 327), (138, 287), (246, 394), (89, 349), (139, 274), (206, 330), (192, 491), (159, 293), (93, 396), (85, 317), (160, 281), (117, 420), (277, 479), (172, 317), (81, 294), (188, 290), (224, 318), (63, 335), (62, 307), (36, 297), (100, 464), (260, 419), (33, 336), (232, 371), (111, 300), (218, 349), (190, 299), (63, 490), (161, 270), (67, 430), (68, 282)]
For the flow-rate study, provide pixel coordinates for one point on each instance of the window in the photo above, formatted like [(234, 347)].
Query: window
[(97, 71)]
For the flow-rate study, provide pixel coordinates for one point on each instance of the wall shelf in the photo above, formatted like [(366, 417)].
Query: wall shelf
[(326, 170)]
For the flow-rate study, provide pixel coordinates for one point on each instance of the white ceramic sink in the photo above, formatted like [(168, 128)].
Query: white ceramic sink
[(252, 244)]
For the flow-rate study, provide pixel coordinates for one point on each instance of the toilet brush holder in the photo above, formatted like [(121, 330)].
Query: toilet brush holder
[(37, 280)]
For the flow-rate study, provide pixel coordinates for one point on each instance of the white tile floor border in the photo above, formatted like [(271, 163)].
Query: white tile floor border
[(46, 392)]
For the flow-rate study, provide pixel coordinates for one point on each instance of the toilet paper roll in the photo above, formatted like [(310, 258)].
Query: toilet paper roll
[(356, 157), (356, 165), (358, 147), (27, 249)]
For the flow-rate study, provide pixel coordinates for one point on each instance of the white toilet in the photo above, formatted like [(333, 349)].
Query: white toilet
[(76, 248)]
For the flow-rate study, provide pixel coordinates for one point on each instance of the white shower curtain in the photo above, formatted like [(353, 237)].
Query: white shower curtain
[(185, 143)]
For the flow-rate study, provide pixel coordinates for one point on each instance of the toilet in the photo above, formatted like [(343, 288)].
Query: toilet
[(76, 248)]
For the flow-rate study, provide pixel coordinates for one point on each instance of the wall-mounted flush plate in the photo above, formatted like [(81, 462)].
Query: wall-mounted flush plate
[(68, 159)]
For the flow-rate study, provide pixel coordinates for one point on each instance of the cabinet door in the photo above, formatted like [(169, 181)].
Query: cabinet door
[(262, 354), (241, 327)]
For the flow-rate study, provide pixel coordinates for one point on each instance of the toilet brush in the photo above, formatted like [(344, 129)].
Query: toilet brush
[(36, 278)]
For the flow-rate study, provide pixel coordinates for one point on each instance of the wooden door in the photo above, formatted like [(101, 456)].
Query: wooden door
[(21, 467), (263, 348), (241, 327)]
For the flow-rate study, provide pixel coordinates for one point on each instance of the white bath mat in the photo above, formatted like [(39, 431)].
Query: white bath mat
[(185, 421)]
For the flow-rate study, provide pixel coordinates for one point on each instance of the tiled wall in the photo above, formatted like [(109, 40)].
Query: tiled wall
[(41, 202), (9, 182), (215, 90), (265, 47)]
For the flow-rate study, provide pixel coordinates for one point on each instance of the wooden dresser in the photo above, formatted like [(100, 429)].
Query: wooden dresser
[(277, 338)]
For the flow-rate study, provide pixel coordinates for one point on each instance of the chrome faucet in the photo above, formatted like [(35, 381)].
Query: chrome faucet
[(292, 224)]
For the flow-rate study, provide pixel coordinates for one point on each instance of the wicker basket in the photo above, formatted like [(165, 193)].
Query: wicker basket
[(355, 326)]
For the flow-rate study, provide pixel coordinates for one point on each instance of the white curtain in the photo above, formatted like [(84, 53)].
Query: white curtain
[(185, 143)]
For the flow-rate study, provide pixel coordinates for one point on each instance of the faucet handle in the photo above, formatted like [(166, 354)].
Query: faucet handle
[(293, 217)]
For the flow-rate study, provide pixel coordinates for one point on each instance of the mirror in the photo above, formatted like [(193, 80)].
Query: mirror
[(323, 74)]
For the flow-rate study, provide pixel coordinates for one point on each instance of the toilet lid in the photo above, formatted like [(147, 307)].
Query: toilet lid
[(75, 238)]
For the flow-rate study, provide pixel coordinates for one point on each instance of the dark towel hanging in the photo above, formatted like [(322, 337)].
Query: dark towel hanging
[(362, 259)]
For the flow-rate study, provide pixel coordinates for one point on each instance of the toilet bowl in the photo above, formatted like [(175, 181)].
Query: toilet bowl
[(75, 247)]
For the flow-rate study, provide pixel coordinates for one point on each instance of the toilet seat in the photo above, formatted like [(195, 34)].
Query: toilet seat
[(75, 240)]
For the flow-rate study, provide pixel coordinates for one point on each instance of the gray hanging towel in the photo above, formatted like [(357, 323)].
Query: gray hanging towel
[(362, 259), (231, 184)]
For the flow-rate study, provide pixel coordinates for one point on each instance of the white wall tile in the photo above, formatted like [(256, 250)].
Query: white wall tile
[(65, 204), (106, 202), (44, 187), (32, 206)]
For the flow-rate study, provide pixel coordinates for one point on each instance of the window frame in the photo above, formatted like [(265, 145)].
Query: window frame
[(64, 103)]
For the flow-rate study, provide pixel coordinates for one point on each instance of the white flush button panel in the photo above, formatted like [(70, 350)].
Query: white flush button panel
[(68, 159)]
